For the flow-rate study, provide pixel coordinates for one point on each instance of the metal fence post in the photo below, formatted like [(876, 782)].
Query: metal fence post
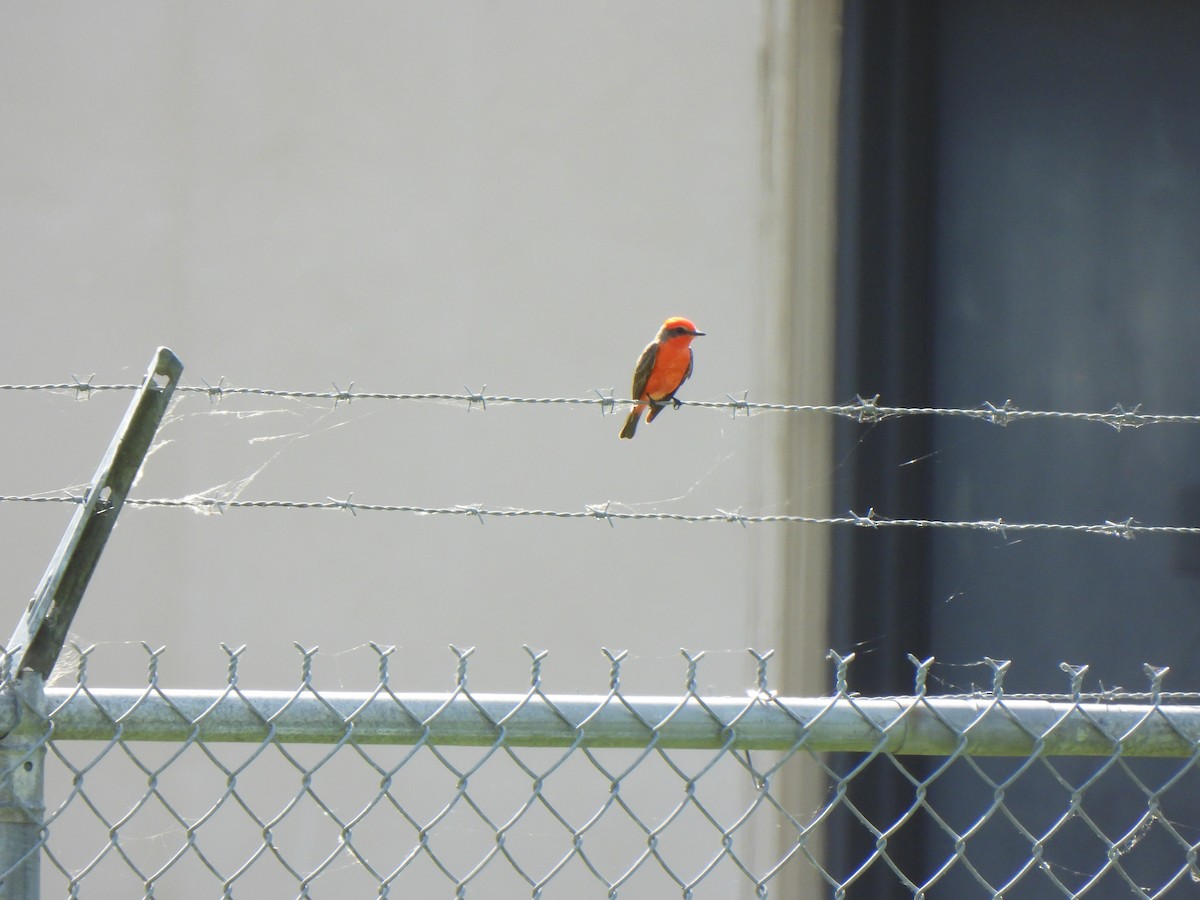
[(22, 789), (38, 639), (39, 635)]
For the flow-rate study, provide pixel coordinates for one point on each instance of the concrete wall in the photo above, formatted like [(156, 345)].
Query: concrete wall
[(418, 197)]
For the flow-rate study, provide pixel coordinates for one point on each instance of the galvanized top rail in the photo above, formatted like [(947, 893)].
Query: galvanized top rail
[(928, 726)]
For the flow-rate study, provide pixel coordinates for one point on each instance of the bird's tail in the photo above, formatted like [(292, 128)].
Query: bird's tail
[(631, 422)]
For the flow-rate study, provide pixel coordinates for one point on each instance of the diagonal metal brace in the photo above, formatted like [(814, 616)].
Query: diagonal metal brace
[(40, 634)]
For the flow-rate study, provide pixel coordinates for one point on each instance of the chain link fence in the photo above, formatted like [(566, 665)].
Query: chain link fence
[(233, 792)]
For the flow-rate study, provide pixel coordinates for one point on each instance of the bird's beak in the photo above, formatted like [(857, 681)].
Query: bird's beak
[(697, 334)]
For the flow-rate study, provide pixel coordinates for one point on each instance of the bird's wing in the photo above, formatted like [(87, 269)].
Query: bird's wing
[(645, 364)]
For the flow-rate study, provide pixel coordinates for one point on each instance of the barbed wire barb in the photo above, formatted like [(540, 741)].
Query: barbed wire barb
[(608, 402), (601, 512), (870, 520), (473, 398), (865, 410), (735, 516), (999, 415), (346, 504), (1123, 529), (340, 395), (737, 404), (83, 388), (215, 391), (1126, 418), (475, 510)]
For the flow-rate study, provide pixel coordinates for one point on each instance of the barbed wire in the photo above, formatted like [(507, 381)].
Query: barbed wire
[(1127, 528), (861, 409)]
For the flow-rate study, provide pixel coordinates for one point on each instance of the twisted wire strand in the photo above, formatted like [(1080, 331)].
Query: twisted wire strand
[(861, 409), (1127, 528)]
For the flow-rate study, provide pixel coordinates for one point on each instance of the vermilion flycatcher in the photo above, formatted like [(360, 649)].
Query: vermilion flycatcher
[(664, 365)]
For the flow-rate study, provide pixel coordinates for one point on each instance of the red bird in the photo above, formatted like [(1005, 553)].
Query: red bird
[(664, 365)]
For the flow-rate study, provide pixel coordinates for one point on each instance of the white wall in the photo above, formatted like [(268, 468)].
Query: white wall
[(412, 197)]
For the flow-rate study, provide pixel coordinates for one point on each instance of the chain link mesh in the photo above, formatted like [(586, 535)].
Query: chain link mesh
[(314, 793)]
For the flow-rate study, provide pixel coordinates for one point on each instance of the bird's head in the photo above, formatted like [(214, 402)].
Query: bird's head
[(678, 327)]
